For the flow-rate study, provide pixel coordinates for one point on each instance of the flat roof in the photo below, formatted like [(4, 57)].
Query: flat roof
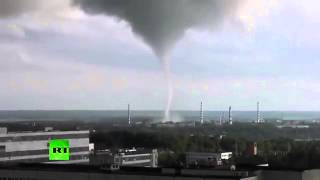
[(32, 133)]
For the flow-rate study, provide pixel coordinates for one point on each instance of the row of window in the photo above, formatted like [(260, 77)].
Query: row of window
[(15, 178), (133, 158)]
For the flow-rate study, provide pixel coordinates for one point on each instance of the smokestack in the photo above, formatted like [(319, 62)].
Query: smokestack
[(230, 116), (224, 117), (258, 113), (201, 114), (129, 115), (220, 119)]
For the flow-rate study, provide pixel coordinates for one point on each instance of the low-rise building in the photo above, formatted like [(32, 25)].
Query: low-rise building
[(297, 126), (101, 157), (226, 155), (200, 159), (83, 172), (33, 146), (136, 157)]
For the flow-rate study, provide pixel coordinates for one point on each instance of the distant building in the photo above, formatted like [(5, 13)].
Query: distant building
[(226, 155), (168, 124), (184, 124), (293, 126), (253, 149), (200, 159), (134, 157), (46, 129), (91, 147), (33, 146), (101, 157)]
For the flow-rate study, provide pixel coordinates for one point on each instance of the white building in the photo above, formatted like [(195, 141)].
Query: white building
[(226, 155), (133, 157), (33, 146)]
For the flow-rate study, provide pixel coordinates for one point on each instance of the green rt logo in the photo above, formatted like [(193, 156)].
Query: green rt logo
[(59, 150)]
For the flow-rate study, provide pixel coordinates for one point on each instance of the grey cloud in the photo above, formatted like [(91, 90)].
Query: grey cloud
[(17, 7), (12, 8), (13, 65), (160, 23), (12, 61)]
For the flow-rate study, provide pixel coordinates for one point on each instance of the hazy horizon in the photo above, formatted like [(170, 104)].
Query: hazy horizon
[(114, 115)]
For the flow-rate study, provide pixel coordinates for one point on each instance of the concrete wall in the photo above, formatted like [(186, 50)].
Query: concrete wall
[(50, 175), (279, 175), (251, 178), (313, 174)]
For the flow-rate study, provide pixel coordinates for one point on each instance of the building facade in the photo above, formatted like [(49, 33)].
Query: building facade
[(33, 146), (135, 157), (226, 155), (57, 172), (200, 159)]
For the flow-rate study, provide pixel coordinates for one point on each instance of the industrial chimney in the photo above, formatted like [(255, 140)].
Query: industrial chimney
[(129, 115), (201, 114), (230, 116), (258, 113)]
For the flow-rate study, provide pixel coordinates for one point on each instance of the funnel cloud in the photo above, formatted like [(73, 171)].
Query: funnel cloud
[(161, 23)]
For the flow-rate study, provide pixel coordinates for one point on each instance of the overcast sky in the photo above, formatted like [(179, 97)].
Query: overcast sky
[(58, 56)]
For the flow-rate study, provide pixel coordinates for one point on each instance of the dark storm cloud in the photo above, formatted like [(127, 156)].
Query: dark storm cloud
[(160, 23), (10, 8)]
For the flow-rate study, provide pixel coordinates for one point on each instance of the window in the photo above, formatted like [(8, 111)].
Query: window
[(2, 148)]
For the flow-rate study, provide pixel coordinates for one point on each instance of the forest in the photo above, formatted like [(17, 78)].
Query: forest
[(275, 146)]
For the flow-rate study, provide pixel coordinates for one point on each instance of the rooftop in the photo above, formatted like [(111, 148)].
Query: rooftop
[(128, 170)]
